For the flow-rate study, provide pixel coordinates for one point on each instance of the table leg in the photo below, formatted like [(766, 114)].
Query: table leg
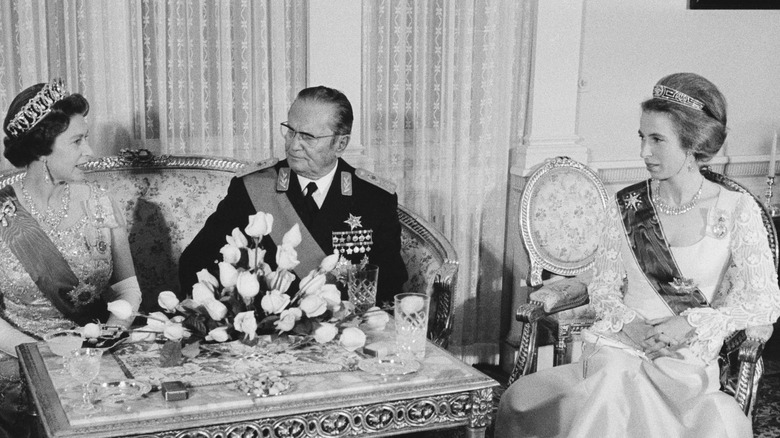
[(479, 414)]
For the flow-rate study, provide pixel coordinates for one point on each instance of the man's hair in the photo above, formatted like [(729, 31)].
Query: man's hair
[(701, 132), (342, 118)]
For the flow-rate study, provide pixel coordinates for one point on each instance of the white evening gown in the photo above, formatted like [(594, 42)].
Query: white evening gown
[(614, 391)]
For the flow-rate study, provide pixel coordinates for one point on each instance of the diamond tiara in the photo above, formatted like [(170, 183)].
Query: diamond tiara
[(672, 95), (37, 108)]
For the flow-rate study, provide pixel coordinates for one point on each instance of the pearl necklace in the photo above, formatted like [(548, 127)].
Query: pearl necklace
[(674, 211), (51, 217)]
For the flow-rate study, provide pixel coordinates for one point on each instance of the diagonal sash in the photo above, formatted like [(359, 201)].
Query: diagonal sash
[(651, 251), (261, 187), (40, 257)]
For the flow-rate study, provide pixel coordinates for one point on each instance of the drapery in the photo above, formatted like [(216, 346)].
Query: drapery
[(201, 77), (445, 91)]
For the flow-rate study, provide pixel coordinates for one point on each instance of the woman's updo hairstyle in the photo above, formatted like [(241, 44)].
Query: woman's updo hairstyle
[(701, 131), (27, 147)]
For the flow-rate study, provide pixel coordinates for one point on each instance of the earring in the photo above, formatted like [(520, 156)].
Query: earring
[(690, 162), (46, 173)]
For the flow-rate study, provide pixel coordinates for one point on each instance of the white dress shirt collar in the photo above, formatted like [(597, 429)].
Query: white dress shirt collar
[(323, 185)]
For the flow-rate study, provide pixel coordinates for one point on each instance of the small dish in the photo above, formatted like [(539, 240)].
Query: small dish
[(389, 365), (123, 390), (265, 384)]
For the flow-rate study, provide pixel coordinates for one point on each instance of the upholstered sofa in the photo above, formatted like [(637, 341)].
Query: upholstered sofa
[(167, 199)]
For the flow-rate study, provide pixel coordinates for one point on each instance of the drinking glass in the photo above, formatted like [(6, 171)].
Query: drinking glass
[(411, 324), (63, 343), (84, 366), (361, 286)]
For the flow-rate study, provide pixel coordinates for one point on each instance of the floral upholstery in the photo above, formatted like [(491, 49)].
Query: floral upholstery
[(167, 200), (565, 211)]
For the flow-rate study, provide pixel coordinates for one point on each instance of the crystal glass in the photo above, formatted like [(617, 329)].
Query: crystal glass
[(361, 286), (63, 343), (84, 366), (411, 324)]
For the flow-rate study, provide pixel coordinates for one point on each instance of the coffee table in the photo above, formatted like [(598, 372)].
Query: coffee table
[(443, 393)]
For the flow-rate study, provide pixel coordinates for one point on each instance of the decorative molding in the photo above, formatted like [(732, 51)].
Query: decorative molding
[(629, 171)]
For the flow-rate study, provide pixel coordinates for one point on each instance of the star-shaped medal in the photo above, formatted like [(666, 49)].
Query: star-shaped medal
[(353, 222), (632, 200)]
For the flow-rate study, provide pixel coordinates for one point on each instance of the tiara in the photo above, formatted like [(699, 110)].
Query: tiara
[(672, 95), (37, 108)]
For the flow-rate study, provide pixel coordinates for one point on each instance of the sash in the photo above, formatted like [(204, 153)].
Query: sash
[(38, 255), (651, 251), (261, 187)]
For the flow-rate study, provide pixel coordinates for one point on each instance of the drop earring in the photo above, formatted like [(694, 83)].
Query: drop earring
[(690, 162), (46, 173)]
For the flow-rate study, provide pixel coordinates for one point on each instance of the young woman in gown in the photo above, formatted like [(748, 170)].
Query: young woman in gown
[(682, 264), (63, 247)]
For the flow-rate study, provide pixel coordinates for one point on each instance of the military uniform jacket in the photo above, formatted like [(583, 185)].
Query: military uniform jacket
[(353, 208)]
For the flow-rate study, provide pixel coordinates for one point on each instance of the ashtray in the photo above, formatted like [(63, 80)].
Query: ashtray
[(389, 365), (123, 390)]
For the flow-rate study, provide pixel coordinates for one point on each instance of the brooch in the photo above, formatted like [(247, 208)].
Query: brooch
[(683, 285), (720, 225), (8, 210)]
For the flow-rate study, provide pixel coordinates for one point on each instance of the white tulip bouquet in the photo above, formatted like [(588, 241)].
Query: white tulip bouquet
[(226, 308)]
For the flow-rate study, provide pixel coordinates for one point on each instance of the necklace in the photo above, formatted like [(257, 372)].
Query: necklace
[(680, 209), (50, 217)]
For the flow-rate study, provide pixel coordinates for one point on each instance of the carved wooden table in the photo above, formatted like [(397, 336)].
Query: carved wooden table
[(444, 393)]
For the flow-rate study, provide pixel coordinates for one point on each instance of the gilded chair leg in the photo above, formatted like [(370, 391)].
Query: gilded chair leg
[(526, 359)]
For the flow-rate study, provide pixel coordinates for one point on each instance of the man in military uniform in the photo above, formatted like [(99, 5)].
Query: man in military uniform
[(338, 207)]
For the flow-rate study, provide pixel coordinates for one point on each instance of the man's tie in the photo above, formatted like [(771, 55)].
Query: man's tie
[(309, 205)]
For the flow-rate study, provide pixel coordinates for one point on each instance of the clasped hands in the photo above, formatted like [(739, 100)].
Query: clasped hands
[(660, 337)]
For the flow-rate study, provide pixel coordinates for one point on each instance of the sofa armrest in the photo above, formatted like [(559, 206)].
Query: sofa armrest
[(444, 283)]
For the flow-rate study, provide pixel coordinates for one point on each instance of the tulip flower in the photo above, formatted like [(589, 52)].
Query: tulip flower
[(313, 306), (286, 257), (260, 224), (205, 277), (218, 334), (167, 300), (237, 238), (174, 332), (230, 253), (121, 309), (312, 282), (201, 293), (292, 237), (329, 263), (246, 323), (287, 319), (332, 296), (228, 275), (217, 310), (325, 332), (352, 338), (274, 302), (279, 280), (247, 284)]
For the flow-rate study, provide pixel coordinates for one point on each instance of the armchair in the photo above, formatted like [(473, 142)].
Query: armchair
[(741, 365), (167, 199)]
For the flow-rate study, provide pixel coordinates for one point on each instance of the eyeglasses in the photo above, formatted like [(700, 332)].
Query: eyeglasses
[(289, 134)]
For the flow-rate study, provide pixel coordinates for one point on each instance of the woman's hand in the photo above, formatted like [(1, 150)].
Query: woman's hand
[(667, 335)]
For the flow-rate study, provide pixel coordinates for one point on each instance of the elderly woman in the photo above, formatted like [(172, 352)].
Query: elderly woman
[(682, 264), (63, 246)]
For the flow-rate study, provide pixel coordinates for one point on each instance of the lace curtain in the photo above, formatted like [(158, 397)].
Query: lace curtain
[(197, 77), (445, 89)]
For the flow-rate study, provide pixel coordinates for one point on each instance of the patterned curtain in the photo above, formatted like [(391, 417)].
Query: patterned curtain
[(202, 77), (445, 90)]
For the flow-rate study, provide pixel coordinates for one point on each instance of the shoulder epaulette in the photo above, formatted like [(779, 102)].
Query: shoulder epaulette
[(382, 183), (252, 168)]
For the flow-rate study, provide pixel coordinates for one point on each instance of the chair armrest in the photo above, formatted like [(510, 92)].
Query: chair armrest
[(565, 294), (753, 346)]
